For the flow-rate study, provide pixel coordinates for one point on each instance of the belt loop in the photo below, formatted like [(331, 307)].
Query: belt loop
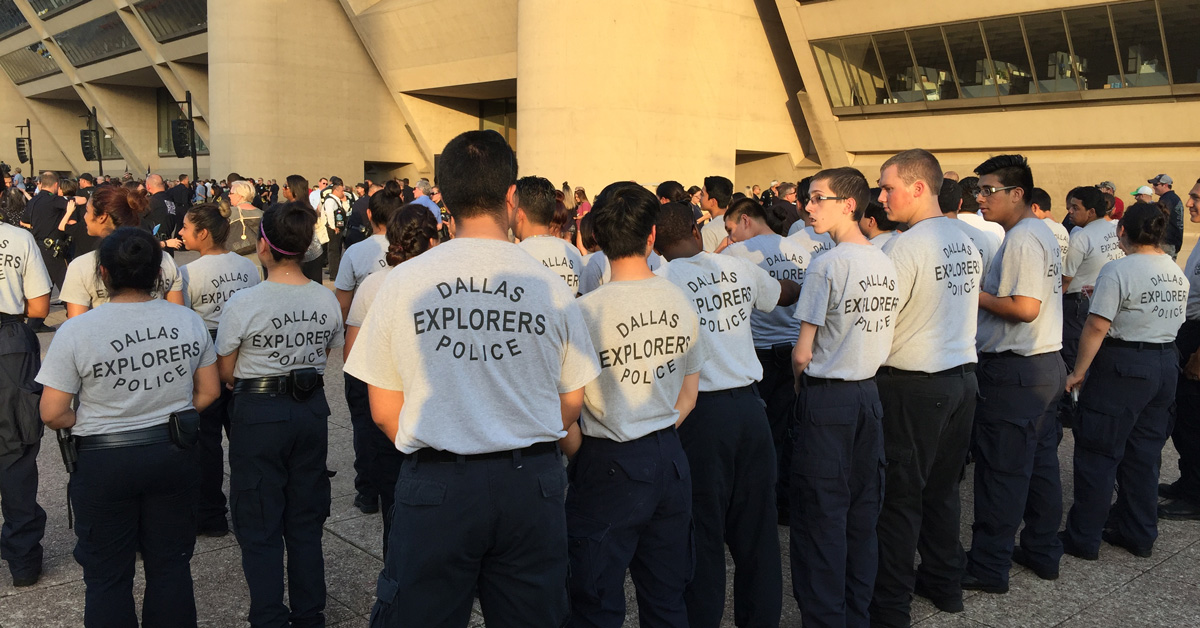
[(416, 459), (460, 464), (516, 454)]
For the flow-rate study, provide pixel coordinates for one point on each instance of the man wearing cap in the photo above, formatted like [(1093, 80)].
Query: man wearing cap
[(1119, 207), (1174, 239)]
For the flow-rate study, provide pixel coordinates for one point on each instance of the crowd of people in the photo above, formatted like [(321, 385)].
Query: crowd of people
[(550, 390)]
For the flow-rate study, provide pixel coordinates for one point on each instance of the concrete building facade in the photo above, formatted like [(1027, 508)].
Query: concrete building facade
[(592, 92)]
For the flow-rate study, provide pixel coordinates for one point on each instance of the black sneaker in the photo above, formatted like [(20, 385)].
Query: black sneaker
[(944, 603), (214, 531), (27, 580), (368, 504), (1069, 547), (971, 583), (1179, 510), (1045, 573), (1112, 537), (1169, 491)]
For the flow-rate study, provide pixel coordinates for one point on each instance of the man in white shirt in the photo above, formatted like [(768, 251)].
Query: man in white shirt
[(314, 197), (969, 212), (335, 208), (715, 199)]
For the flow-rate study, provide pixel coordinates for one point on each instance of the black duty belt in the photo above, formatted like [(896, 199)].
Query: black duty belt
[(11, 318), (437, 455), (961, 369), (1001, 354), (809, 380), (1074, 296), (274, 385), (1147, 346), (132, 438)]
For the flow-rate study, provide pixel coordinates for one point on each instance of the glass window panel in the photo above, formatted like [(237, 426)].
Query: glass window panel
[(29, 63), (898, 67), (1140, 43), (1091, 36), (46, 8), (970, 59), (835, 73), (1055, 69), (1181, 21), (11, 19), (172, 19), (99, 39), (864, 65), (1009, 69), (933, 64)]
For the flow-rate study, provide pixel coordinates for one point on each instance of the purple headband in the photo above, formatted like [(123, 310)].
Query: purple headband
[(268, 241)]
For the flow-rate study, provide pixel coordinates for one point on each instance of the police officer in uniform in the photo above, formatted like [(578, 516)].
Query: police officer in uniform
[(42, 215), (479, 502), (1184, 493), (272, 344), (727, 437), (411, 230), (24, 291), (836, 468), (629, 502), (774, 332), (1127, 352), (928, 388), (134, 364), (1020, 378), (208, 283)]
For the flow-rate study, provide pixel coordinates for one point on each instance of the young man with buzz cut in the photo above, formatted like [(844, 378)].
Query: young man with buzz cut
[(727, 437), (714, 199), (928, 387), (847, 314), (1041, 203), (531, 225), (1015, 445), (480, 498), (629, 505), (774, 332)]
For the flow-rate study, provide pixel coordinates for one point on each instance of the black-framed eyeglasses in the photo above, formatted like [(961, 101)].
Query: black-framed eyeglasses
[(988, 190), (817, 198)]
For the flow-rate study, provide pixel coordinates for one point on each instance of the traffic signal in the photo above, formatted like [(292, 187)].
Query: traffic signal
[(89, 141), (23, 149), (181, 136)]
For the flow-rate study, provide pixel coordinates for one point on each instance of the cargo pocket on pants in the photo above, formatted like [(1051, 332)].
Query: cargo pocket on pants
[(245, 502), (1003, 443), (1097, 431), (586, 539)]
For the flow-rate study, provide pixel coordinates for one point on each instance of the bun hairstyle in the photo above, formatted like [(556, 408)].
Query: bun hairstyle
[(386, 202), (1144, 223), (213, 218), (288, 228), (132, 259), (123, 206), (409, 231)]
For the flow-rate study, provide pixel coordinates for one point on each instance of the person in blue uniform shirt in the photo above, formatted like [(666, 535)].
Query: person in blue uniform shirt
[(272, 346), (1015, 445), (727, 437), (837, 482), (1183, 495), (1126, 373), (480, 498), (24, 291), (133, 490), (630, 497)]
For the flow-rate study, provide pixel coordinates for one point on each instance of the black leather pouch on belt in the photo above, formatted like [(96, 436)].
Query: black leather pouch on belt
[(304, 383), (184, 428)]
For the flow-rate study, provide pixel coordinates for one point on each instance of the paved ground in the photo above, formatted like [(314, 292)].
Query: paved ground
[(1117, 590)]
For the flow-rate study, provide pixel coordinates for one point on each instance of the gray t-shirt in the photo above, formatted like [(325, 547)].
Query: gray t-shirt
[(278, 328), (82, 285), (360, 260), (558, 255), (482, 339), (985, 241), (1060, 234), (883, 238), (724, 290), (597, 272), (851, 295), (713, 232), (1191, 269), (1028, 265), (647, 338), (131, 364), (938, 274), (23, 274), (818, 243), (1145, 297), (1091, 248), (210, 280), (364, 297), (782, 259)]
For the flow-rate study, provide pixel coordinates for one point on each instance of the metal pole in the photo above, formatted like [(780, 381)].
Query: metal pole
[(192, 141), (29, 133), (99, 142)]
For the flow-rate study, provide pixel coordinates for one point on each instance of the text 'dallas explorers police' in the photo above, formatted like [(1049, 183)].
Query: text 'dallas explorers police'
[(470, 333), (640, 360), (295, 348), (135, 369)]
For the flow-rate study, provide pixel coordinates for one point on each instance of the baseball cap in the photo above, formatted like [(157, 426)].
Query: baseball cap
[(1106, 184), (1145, 189), (1162, 178)]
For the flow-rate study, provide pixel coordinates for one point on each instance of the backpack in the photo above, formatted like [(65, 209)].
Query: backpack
[(243, 233)]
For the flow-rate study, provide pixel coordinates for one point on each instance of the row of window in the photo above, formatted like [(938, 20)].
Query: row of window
[(1017, 58), (96, 40)]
